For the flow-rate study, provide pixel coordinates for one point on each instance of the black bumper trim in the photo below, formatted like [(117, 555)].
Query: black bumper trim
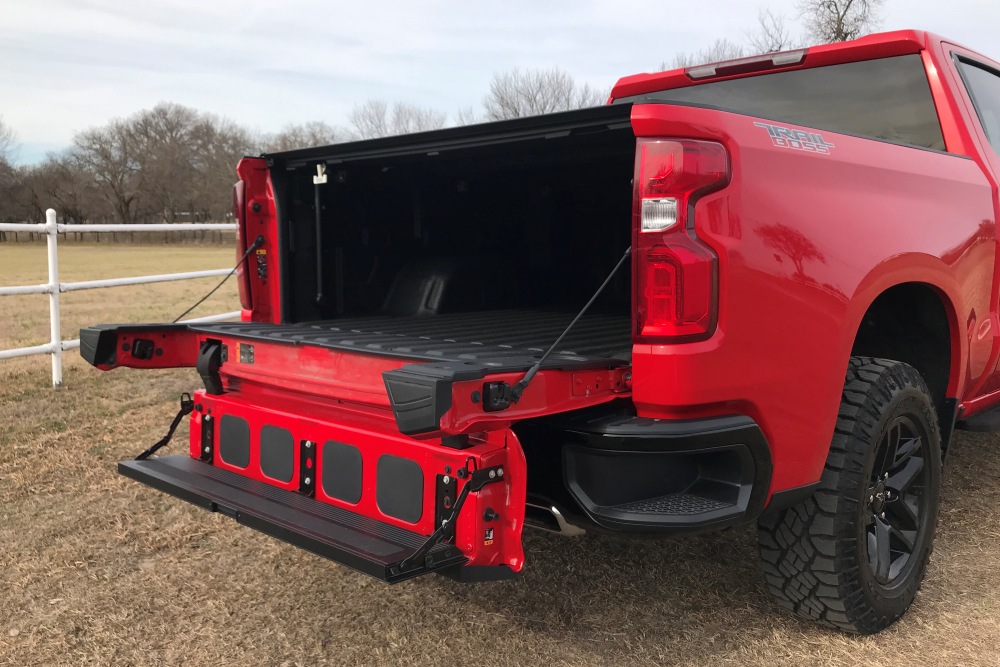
[(364, 544), (782, 500), (608, 455)]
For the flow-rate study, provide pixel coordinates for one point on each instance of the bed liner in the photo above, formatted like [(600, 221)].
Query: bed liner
[(493, 336)]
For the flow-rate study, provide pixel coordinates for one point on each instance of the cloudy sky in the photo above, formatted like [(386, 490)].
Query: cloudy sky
[(66, 65)]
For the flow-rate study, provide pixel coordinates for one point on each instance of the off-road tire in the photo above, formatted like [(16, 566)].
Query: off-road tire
[(817, 556)]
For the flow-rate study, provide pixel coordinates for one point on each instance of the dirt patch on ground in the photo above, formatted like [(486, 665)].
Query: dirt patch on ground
[(96, 569)]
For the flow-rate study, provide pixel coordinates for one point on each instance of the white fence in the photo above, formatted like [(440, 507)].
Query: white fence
[(54, 288)]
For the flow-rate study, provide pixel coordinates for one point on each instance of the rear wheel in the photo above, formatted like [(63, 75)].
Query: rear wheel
[(854, 554)]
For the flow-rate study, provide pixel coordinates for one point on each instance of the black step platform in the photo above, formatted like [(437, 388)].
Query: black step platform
[(367, 545)]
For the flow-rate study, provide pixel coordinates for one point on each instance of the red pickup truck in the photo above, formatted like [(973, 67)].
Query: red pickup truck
[(763, 290)]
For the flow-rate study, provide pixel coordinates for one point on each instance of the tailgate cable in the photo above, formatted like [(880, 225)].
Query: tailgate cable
[(514, 393), (257, 242), (477, 480), (187, 406)]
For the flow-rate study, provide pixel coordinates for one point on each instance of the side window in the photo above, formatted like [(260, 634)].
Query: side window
[(984, 89)]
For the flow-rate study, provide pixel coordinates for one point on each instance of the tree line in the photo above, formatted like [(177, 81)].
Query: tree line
[(172, 163)]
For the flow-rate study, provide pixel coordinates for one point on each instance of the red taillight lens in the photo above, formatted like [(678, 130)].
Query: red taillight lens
[(239, 212), (675, 273)]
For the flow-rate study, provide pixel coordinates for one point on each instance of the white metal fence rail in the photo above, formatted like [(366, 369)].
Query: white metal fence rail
[(54, 288)]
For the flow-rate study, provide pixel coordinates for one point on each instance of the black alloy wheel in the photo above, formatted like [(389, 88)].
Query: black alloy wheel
[(896, 500)]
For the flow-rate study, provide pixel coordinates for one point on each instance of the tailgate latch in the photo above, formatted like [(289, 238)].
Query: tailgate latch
[(497, 396)]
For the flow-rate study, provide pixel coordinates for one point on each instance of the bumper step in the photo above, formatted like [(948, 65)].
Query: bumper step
[(675, 504), (364, 544)]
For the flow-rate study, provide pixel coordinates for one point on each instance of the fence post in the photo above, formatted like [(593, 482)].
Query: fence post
[(55, 332)]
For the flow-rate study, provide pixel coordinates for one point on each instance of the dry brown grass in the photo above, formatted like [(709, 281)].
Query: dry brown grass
[(96, 569)]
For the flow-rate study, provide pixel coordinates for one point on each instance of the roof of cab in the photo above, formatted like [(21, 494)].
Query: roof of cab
[(870, 47)]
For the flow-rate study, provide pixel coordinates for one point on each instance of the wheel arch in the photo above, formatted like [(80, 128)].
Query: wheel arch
[(916, 322)]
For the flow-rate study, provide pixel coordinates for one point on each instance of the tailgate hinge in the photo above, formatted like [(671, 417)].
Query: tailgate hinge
[(209, 361), (477, 480)]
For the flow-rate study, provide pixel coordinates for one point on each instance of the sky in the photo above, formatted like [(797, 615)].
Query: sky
[(68, 65)]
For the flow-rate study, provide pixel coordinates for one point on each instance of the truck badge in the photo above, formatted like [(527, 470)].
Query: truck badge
[(799, 140)]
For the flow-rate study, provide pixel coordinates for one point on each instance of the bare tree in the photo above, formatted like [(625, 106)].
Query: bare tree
[(722, 49), (61, 183), (839, 20), (375, 119), (313, 133), (8, 140), (111, 155), (220, 145), (771, 33), (164, 136), (467, 116), (516, 93), (370, 120), (408, 118), (9, 190)]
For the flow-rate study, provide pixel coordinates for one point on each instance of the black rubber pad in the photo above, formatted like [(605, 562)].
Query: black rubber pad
[(277, 453), (340, 471), (399, 488), (357, 541), (234, 441)]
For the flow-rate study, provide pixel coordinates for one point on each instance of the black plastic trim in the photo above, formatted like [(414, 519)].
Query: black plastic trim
[(419, 400), (782, 500), (99, 345), (367, 545), (948, 420), (468, 136), (421, 393), (984, 421), (618, 434), (208, 365)]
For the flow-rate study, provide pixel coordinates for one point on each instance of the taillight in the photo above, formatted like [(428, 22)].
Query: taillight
[(675, 273), (239, 212)]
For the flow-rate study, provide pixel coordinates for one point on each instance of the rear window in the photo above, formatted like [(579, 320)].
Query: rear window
[(984, 87), (886, 99)]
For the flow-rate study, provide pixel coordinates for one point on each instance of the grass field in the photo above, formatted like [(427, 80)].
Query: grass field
[(96, 569)]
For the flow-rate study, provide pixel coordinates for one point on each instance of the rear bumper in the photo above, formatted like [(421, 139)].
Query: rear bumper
[(636, 474)]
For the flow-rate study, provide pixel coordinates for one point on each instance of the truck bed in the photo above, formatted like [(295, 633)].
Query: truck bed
[(493, 335)]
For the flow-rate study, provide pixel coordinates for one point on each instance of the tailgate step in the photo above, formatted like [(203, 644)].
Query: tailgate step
[(365, 544)]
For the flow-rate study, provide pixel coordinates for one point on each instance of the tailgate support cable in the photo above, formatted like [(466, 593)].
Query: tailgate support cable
[(187, 405), (518, 389), (477, 480), (257, 242)]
